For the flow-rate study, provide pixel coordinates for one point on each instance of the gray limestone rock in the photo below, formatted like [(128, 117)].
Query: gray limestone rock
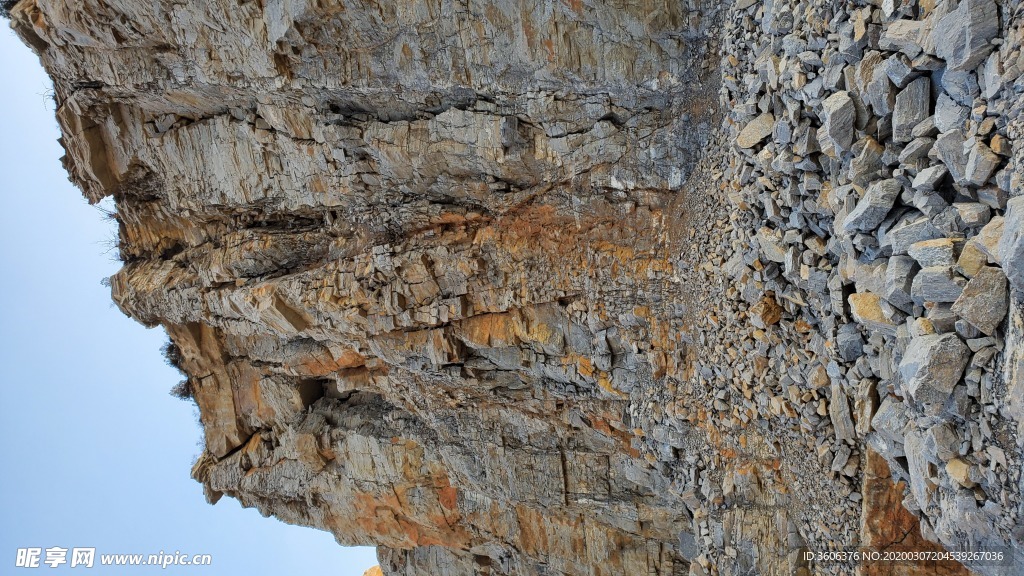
[(962, 37), (874, 85), (921, 485), (981, 163), (949, 148), (872, 209), (839, 412), (912, 106), (899, 278), (836, 133), (891, 419), (934, 252), (867, 161), (929, 178), (901, 36), (937, 284), (916, 149), (949, 115), (899, 69), (984, 301), (911, 228), (961, 86), (849, 342), (1011, 243), (973, 214), (931, 367)]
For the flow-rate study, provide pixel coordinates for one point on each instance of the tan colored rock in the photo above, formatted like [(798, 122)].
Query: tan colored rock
[(755, 131), (960, 472), (766, 312), (866, 309)]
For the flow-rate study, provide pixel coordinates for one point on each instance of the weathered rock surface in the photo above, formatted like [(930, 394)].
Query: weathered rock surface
[(508, 288)]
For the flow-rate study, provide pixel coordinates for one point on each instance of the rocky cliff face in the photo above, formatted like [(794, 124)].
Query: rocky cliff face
[(575, 288)]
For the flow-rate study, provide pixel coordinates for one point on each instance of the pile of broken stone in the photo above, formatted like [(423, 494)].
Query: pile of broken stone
[(872, 153)]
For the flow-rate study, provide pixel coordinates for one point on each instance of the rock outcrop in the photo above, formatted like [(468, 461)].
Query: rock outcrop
[(577, 288)]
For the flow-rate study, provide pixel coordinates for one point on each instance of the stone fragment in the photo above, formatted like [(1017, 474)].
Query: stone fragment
[(911, 228), (960, 472), (1000, 145), (971, 259), (891, 419), (917, 149), (866, 308), (992, 76), (989, 240), (899, 278), (756, 131), (962, 37), (901, 36), (949, 148), (839, 412), (1011, 243), (766, 312), (771, 244), (913, 105), (937, 284), (899, 70), (973, 214), (872, 209), (984, 301), (962, 87), (934, 252), (929, 178), (836, 133), (867, 161), (944, 439), (921, 485), (874, 85), (926, 128), (931, 368), (849, 342), (949, 115), (981, 163), (993, 196)]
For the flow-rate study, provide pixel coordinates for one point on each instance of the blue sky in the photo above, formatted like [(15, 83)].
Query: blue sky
[(95, 451)]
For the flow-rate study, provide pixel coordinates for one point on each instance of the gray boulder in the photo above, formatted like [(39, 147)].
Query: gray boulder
[(872, 209), (949, 148), (931, 368), (984, 300), (937, 284), (912, 106), (949, 115), (981, 163), (1011, 244), (836, 133), (899, 278), (962, 37)]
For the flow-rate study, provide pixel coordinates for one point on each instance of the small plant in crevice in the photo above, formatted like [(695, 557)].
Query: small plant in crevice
[(6, 6), (172, 355), (183, 390)]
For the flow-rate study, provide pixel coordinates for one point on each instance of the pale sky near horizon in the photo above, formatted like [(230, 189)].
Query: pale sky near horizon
[(95, 451)]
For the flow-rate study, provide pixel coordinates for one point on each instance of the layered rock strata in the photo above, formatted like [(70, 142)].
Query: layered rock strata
[(575, 288)]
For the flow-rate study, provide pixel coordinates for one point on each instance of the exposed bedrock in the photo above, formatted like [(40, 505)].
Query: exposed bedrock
[(580, 287)]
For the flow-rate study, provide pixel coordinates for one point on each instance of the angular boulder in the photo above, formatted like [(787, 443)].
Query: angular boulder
[(931, 368)]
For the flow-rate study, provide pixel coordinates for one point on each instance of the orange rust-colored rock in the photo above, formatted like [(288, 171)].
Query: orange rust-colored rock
[(888, 526)]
